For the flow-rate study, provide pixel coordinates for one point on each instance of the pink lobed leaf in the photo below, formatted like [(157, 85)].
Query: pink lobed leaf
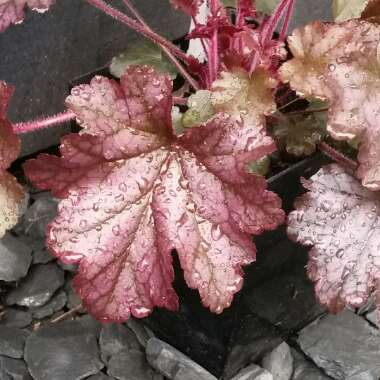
[(340, 219), (11, 193), (133, 192), (12, 11), (340, 63)]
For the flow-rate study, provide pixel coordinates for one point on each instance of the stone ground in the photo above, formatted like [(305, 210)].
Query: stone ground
[(274, 330)]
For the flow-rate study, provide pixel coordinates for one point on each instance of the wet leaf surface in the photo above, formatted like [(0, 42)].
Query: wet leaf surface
[(11, 193), (339, 219), (133, 192), (340, 63)]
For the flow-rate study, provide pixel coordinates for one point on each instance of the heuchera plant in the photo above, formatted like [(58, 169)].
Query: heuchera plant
[(144, 178)]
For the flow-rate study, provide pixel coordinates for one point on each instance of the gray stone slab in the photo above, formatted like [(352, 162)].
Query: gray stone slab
[(115, 338), (38, 287), (15, 258), (130, 365), (13, 369), (287, 301), (172, 363), (345, 346), (372, 317), (57, 302), (279, 362), (16, 318), (252, 339), (39, 215), (143, 333), (62, 351), (100, 376), (91, 325), (305, 369), (73, 300), (42, 256), (12, 341), (254, 372)]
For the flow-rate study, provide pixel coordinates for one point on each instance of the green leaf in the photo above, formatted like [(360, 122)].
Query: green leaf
[(266, 6), (260, 167), (300, 134), (348, 9), (142, 53), (229, 3), (200, 109)]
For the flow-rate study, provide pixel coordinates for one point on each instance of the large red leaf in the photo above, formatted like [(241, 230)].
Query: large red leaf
[(12, 11), (340, 63), (133, 192), (11, 193), (340, 219)]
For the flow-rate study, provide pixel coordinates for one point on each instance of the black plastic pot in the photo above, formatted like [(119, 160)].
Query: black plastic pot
[(208, 338)]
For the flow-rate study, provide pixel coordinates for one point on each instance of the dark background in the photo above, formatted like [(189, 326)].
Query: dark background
[(44, 53)]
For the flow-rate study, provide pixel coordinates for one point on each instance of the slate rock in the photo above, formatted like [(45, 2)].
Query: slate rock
[(287, 301), (279, 362), (252, 338), (304, 369), (372, 317), (16, 318), (254, 372), (12, 341), (15, 258), (100, 376), (73, 300), (13, 369), (115, 338), (39, 215), (68, 267), (142, 333), (344, 345), (130, 365), (62, 351), (57, 302), (172, 363), (193, 330), (42, 256), (38, 287), (368, 307), (91, 325)]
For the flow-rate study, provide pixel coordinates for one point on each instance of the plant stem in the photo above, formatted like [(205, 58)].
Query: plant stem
[(31, 126), (171, 56), (288, 16), (136, 26), (239, 16), (68, 314), (271, 24), (60, 118), (338, 157), (196, 24), (213, 46)]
